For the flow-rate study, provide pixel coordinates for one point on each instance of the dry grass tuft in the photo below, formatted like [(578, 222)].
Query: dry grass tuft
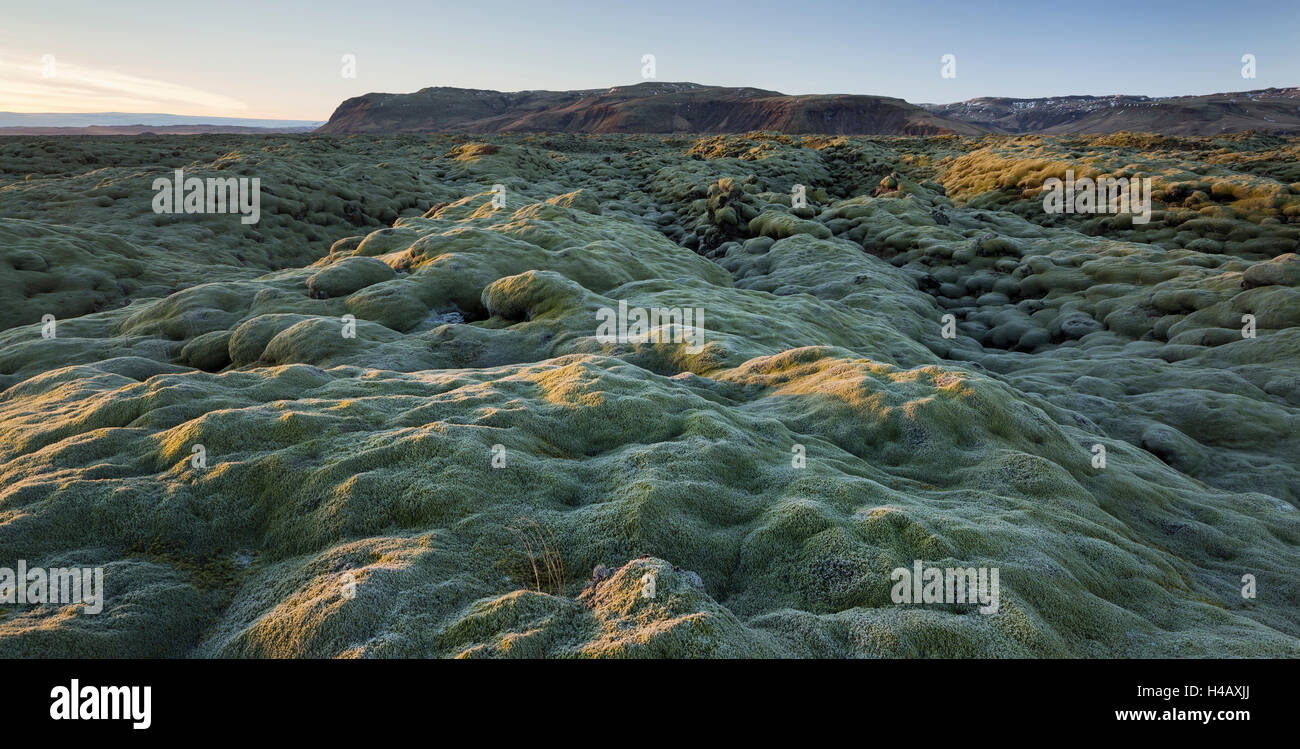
[(542, 554)]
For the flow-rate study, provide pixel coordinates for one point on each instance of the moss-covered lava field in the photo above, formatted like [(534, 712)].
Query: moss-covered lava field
[(382, 420)]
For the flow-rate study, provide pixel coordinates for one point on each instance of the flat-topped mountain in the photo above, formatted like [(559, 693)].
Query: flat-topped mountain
[(643, 108), (656, 107), (1275, 110)]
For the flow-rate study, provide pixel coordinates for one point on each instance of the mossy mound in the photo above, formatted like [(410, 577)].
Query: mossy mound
[(388, 422)]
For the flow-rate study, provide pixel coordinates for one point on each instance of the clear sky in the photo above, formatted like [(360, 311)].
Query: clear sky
[(284, 59)]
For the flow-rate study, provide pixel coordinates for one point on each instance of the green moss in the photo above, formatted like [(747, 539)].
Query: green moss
[(350, 501)]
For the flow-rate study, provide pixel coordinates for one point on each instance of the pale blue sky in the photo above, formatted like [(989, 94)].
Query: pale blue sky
[(283, 59)]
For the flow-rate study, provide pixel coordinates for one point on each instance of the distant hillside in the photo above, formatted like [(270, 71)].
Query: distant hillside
[(1271, 110), (643, 108), (136, 123), (151, 130)]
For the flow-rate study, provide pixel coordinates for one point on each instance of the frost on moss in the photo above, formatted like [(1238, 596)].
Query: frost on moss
[(396, 366)]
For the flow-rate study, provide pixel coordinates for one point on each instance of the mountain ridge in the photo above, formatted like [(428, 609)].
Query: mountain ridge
[(652, 107), (664, 107), (1275, 110)]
